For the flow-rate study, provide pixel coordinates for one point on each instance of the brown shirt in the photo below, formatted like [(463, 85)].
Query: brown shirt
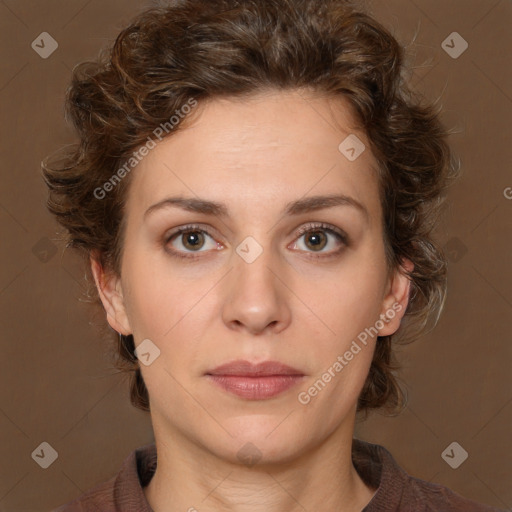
[(396, 490)]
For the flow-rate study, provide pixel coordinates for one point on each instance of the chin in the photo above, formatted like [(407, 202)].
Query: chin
[(262, 439)]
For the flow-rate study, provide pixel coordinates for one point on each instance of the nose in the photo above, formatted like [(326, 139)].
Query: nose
[(257, 297)]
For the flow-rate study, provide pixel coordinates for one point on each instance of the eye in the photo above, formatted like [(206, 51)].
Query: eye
[(190, 239), (187, 240), (316, 238)]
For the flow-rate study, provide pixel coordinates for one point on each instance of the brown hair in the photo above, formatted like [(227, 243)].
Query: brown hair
[(202, 49)]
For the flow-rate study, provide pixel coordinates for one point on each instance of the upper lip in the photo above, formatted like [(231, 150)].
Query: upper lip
[(246, 368)]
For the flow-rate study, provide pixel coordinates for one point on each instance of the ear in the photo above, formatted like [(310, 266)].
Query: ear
[(397, 298), (111, 295)]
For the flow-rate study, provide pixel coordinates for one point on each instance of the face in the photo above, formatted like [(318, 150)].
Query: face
[(282, 259)]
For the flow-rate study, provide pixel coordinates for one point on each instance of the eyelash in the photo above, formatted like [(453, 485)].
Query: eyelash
[(310, 227)]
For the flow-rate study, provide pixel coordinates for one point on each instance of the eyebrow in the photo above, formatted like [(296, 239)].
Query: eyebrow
[(301, 206)]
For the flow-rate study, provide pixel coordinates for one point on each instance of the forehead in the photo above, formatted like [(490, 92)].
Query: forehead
[(270, 148)]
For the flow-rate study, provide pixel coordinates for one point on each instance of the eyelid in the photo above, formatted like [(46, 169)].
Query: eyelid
[(305, 228), (189, 227), (184, 255), (311, 226)]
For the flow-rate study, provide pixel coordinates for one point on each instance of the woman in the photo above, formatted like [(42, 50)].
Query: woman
[(254, 188)]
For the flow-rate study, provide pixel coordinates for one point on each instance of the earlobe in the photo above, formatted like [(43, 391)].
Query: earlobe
[(111, 295), (396, 301)]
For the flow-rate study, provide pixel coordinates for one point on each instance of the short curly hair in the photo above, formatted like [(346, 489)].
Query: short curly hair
[(233, 48)]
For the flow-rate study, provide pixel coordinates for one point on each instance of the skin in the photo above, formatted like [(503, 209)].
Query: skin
[(255, 156)]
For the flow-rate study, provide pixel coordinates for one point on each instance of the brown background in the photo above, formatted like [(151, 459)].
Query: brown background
[(58, 384)]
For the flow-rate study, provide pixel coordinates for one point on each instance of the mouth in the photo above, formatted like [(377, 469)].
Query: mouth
[(255, 381)]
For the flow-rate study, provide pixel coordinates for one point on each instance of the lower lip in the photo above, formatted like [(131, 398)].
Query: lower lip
[(256, 388)]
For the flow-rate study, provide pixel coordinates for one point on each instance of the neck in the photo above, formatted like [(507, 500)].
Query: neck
[(190, 477)]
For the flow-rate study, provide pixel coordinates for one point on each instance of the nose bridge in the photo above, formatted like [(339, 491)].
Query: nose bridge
[(253, 260)]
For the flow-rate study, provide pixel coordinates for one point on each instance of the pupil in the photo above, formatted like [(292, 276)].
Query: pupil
[(192, 239), (317, 239)]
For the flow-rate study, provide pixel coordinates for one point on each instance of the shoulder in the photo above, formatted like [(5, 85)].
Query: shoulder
[(430, 497), (99, 496), (123, 491), (397, 491)]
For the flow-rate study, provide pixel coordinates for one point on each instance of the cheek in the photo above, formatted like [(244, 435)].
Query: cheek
[(163, 303), (345, 302), (343, 353)]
